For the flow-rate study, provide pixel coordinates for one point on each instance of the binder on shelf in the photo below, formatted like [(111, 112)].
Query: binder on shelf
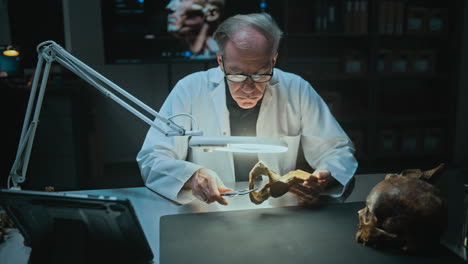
[(354, 62), (318, 18), (324, 10), (387, 141), (359, 16), (390, 18), (416, 20), (437, 20), (406, 61), (400, 61), (410, 140), (382, 17), (355, 17), (348, 16), (433, 140), (399, 17), (384, 61), (423, 61), (333, 16), (364, 16)]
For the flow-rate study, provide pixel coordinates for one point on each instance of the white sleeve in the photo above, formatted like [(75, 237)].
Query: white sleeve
[(162, 160), (326, 145)]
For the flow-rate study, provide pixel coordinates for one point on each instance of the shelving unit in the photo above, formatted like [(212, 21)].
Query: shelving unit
[(393, 92)]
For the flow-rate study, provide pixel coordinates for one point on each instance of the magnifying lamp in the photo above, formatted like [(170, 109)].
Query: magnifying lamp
[(239, 144), (49, 51)]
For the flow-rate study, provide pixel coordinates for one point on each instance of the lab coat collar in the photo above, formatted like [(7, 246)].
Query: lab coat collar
[(269, 94), (216, 76), (218, 96), (274, 80)]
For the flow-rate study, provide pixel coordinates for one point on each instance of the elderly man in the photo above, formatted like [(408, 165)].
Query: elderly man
[(246, 95), (194, 21)]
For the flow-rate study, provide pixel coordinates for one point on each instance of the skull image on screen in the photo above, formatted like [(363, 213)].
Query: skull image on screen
[(403, 212)]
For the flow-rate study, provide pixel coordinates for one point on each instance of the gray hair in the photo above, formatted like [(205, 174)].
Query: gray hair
[(262, 22)]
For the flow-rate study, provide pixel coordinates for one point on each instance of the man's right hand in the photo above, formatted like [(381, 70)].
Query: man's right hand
[(207, 186)]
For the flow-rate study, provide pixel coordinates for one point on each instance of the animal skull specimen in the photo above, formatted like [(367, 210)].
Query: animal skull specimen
[(403, 211), (277, 185)]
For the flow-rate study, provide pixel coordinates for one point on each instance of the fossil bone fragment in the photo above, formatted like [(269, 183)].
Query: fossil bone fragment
[(277, 185), (403, 211)]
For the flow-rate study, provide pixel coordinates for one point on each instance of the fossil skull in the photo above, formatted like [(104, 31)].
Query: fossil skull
[(403, 211)]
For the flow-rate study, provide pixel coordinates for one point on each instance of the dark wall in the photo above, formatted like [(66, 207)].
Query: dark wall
[(461, 141), (88, 141)]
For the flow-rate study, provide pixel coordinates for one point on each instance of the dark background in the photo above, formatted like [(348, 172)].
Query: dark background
[(399, 92)]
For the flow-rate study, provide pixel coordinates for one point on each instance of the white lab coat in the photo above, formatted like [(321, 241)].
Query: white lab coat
[(291, 109)]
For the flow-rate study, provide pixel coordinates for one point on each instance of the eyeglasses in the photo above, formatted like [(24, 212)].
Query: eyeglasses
[(238, 77)]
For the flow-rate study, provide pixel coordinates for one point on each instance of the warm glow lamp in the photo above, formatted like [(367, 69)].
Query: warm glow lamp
[(10, 51)]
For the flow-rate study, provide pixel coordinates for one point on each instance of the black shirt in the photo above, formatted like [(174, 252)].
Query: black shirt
[(243, 122)]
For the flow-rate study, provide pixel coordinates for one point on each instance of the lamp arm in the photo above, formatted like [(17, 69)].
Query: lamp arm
[(49, 51)]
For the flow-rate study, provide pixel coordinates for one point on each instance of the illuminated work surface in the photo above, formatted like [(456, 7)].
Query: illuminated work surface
[(150, 207)]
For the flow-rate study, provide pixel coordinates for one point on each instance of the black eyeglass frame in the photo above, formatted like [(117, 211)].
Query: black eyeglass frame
[(245, 75)]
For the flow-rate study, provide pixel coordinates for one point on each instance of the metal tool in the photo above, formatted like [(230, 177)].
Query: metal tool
[(240, 192)]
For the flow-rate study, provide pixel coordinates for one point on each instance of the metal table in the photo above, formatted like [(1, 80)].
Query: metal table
[(150, 206)]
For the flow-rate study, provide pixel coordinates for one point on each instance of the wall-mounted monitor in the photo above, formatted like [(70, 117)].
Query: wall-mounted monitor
[(139, 31)]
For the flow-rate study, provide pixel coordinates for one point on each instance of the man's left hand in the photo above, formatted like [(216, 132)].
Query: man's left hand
[(309, 191)]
